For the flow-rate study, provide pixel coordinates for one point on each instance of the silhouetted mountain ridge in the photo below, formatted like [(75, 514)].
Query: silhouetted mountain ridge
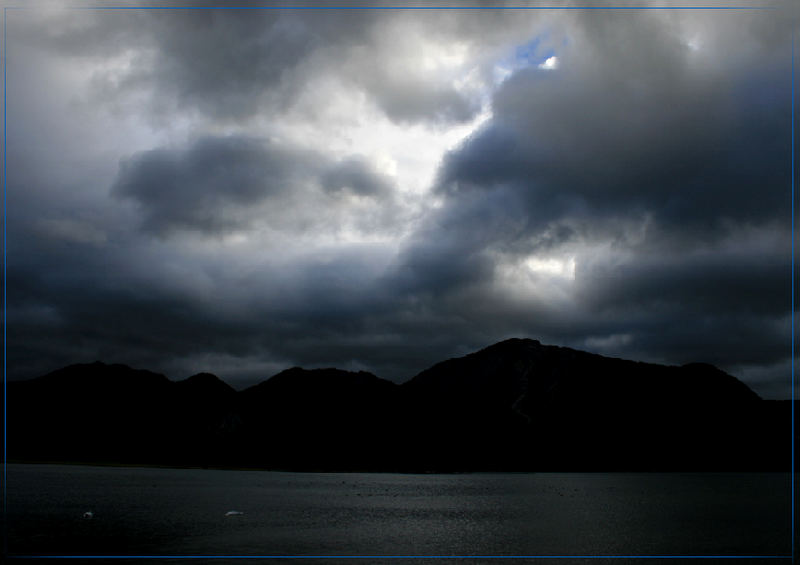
[(205, 387), (515, 405), (101, 374), (528, 372)]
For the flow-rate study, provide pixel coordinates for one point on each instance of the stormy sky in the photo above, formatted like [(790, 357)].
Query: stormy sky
[(242, 191)]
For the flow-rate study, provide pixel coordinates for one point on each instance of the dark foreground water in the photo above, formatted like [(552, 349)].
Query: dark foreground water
[(146, 511)]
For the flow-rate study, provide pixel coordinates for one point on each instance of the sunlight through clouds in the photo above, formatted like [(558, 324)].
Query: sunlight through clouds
[(286, 180), (551, 63)]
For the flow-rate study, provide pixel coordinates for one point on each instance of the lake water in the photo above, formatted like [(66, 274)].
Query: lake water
[(148, 511)]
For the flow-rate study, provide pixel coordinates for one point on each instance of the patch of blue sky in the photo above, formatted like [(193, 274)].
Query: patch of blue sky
[(534, 54)]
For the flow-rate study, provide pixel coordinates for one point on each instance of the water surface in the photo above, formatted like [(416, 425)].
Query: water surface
[(147, 511)]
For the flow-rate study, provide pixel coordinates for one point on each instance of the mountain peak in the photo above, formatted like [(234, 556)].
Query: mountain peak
[(206, 381), (523, 372), (321, 379), (99, 373), (513, 344)]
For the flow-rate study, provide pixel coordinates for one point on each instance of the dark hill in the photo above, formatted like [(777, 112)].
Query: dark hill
[(99, 374), (528, 405), (83, 410), (525, 373), (320, 418), (516, 405), (321, 382), (100, 412), (206, 384)]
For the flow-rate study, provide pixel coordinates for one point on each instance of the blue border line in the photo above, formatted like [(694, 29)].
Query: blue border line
[(404, 8)]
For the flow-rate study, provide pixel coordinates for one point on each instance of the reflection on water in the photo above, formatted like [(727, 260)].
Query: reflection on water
[(145, 511)]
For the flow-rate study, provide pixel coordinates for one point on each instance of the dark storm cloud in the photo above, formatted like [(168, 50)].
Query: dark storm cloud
[(660, 168), (140, 324), (220, 184), (645, 132), (232, 65), (209, 186), (619, 133), (677, 166), (726, 306), (714, 283), (224, 62), (170, 312), (356, 175), (84, 285), (453, 249)]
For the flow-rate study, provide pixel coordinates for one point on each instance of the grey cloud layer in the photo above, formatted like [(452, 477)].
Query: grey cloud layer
[(655, 158), (205, 187), (232, 65), (227, 183), (677, 163)]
